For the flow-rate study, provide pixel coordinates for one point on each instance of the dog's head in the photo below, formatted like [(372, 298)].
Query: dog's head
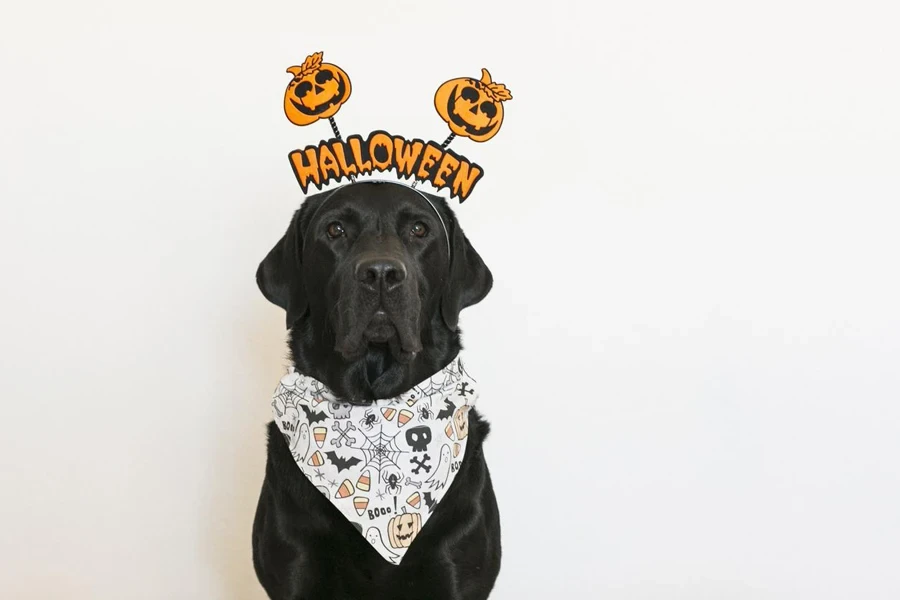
[(373, 277)]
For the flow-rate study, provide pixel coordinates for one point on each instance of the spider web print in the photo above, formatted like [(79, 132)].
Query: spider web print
[(381, 451), (282, 400)]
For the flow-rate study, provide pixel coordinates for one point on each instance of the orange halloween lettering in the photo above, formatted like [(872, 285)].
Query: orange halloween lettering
[(334, 159), (346, 169), (306, 170), (406, 154), (429, 159), (328, 163), (381, 141), (355, 142), (448, 165), (466, 178)]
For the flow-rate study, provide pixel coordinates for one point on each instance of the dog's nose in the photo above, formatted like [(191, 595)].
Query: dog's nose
[(381, 271)]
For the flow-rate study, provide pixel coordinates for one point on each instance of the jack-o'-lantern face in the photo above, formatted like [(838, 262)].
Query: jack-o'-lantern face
[(461, 422), (403, 529), (317, 91), (472, 108)]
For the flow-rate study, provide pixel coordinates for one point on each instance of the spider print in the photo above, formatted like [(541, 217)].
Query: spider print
[(369, 420), (393, 486), (425, 413)]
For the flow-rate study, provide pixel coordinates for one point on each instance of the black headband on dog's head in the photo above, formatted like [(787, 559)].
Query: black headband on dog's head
[(472, 108), (437, 213)]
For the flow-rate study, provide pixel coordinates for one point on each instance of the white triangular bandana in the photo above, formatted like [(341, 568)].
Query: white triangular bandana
[(386, 465)]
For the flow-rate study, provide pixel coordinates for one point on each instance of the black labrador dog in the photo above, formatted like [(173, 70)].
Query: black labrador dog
[(373, 277)]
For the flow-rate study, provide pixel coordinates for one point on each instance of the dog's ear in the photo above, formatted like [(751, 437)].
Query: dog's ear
[(470, 279), (279, 277)]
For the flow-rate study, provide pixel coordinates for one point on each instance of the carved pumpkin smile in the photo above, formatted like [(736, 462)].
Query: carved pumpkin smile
[(465, 110), (472, 108), (314, 97), (316, 92)]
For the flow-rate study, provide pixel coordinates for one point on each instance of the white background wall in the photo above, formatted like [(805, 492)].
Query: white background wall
[(709, 305)]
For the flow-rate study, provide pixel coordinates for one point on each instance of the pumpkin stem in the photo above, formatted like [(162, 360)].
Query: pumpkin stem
[(496, 91), (310, 65), (312, 62)]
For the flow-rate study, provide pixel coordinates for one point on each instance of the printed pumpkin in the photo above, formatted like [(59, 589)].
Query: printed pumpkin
[(461, 422), (317, 91), (403, 529), (472, 108)]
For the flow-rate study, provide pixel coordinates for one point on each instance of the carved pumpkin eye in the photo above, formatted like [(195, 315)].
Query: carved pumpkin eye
[(317, 91), (472, 108), (470, 94)]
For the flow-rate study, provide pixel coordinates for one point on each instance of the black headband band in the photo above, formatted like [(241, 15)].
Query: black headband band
[(382, 182)]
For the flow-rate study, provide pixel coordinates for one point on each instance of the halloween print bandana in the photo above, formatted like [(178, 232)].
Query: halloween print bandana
[(386, 465)]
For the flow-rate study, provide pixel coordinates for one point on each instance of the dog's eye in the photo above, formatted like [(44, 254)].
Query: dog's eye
[(335, 230), (419, 229)]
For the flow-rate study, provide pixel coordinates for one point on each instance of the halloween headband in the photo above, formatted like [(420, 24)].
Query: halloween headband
[(470, 107)]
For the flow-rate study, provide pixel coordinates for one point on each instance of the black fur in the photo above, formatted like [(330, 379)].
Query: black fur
[(303, 547)]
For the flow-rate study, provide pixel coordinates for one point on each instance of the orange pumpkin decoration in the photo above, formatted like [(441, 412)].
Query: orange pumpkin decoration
[(317, 91), (472, 108)]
